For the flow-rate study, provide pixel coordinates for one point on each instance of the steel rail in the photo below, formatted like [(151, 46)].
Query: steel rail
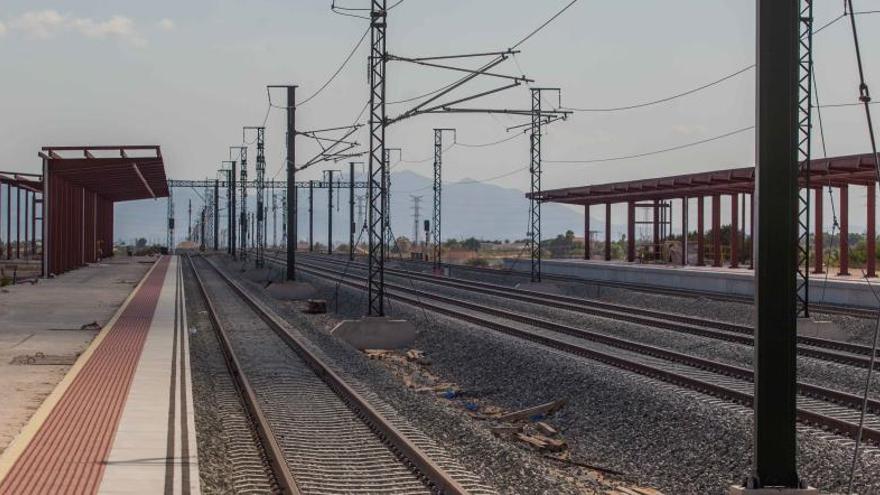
[(435, 476), (804, 415), (828, 308), (275, 455), (814, 347), (851, 400)]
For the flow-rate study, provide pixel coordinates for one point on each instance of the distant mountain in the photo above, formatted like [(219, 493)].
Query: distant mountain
[(470, 209)]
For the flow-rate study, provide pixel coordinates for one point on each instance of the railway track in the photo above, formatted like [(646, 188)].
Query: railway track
[(818, 406), (835, 309), (818, 348), (320, 434)]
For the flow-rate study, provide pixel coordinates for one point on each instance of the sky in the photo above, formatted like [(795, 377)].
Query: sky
[(189, 75)]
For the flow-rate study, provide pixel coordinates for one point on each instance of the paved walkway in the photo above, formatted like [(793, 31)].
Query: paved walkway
[(121, 421)]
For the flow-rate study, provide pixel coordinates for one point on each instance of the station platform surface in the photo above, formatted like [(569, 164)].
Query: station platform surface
[(851, 290), (121, 420)]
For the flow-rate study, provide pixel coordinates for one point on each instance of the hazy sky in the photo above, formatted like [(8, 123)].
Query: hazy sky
[(188, 75)]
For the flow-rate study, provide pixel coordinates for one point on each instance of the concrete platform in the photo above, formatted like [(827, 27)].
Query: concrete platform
[(845, 290), (121, 420), (46, 318)]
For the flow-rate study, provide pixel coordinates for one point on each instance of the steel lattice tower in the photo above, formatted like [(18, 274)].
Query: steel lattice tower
[(259, 240), (436, 226), (243, 218), (376, 195), (170, 240), (535, 171), (805, 110)]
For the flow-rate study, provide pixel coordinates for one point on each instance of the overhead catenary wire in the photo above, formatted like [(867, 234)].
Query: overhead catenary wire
[(654, 152), (667, 98), (546, 23), (865, 98), (338, 70)]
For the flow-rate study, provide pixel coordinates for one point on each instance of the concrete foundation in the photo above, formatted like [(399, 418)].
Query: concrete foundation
[(291, 291), (850, 291), (822, 329), (740, 490), (376, 333)]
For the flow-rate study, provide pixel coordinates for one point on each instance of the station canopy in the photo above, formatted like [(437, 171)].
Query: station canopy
[(117, 173), (833, 171)]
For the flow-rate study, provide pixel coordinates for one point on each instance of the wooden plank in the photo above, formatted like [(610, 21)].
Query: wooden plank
[(544, 409)]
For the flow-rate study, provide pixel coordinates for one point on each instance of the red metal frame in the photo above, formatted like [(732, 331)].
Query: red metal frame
[(81, 185)]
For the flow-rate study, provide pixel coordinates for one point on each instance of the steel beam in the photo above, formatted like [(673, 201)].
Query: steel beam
[(587, 231), (351, 222), (216, 214), (734, 230), (775, 451), (376, 166), (311, 218), (871, 234), (607, 231), (291, 183), (701, 226), (818, 236), (631, 232), (717, 258), (684, 231), (844, 230)]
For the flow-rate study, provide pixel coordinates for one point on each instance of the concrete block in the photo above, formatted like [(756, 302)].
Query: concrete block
[(291, 291), (375, 332), (540, 287), (741, 490), (823, 329)]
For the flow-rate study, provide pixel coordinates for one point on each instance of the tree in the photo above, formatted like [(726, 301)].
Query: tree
[(471, 244), (141, 242)]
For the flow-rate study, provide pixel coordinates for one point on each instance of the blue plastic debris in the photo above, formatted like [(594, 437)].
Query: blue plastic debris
[(537, 417), (450, 394), (471, 406)]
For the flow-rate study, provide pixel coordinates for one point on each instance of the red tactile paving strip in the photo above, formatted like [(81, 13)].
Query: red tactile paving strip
[(66, 455)]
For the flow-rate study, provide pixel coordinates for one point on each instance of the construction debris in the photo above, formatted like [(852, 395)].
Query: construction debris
[(316, 306), (534, 412)]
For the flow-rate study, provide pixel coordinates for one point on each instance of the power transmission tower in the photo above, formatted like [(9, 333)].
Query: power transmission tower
[(436, 226), (328, 174), (416, 215), (376, 167), (274, 217), (259, 236), (243, 217), (805, 111), (290, 212), (540, 118), (170, 241)]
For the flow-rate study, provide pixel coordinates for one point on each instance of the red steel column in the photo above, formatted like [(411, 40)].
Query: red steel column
[(716, 230), (655, 251), (818, 241), (734, 230), (871, 234), (844, 230), (8, 222), (684, 231), (607, 231), (27, 221), (17, 223), (631, 232), (586, 231), (701, 241)]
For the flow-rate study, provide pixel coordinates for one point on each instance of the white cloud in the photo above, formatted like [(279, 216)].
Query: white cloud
[(165, 24), (42, 24), (46, 24)]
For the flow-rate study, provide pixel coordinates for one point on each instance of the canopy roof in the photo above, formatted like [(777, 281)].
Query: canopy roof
[(117, 173), (835, 171)]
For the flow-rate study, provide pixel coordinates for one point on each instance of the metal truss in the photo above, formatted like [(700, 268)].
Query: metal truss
[(436, 217), (243, 187), (376, 162), (540, 118), (805, 108), (259, 227), (319, 184), (170, 240)]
